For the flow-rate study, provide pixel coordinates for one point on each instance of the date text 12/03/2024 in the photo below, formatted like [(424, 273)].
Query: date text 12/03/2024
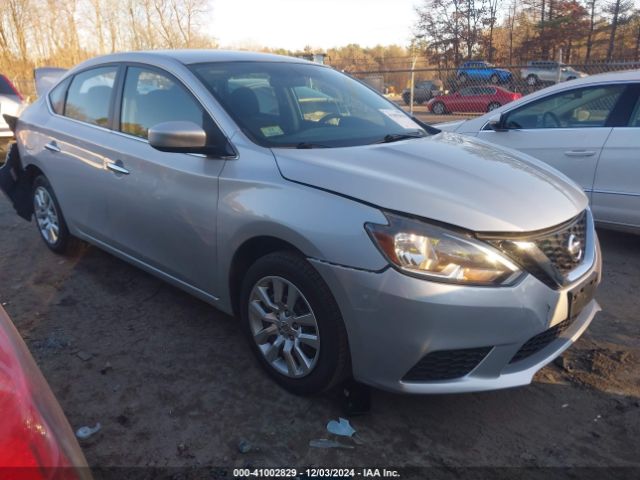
[(315, 473)]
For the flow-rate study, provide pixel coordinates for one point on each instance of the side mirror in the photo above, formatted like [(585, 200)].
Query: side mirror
[(497, 123), (182, 137)]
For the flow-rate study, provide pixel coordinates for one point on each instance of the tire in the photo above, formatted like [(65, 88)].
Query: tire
[(438, 108), (570, 78), (493, 106), (329, 363), (421, 101), (532, 80), (406, 99), (49, 218), (463, 78), (495, 79)]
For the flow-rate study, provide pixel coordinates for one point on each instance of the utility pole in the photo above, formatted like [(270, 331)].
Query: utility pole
[(413, 73), (559, 75)]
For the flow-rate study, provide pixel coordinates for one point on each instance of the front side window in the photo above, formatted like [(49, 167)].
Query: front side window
[(89, 96), (578, 108), (302, 105), (151, 97)]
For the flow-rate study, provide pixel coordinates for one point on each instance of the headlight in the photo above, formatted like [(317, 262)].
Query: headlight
[(441, 255)]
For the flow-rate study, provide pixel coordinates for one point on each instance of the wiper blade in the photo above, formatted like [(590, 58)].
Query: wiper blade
[(303, 145), (394, 137)]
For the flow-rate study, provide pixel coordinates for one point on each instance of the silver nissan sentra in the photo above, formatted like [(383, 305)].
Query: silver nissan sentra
[(349, 238)]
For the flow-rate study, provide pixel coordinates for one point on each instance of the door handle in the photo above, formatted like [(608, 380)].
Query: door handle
[(580, 153), (117, 167), (52, 146)]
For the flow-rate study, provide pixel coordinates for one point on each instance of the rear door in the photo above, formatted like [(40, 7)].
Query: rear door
[(616, 189), (76, 146), (163, 206), (566, 130)]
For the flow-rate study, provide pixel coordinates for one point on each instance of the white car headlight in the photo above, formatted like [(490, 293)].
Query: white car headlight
[(439, 254)]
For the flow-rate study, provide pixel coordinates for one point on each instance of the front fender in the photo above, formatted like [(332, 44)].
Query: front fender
[(256, 201)]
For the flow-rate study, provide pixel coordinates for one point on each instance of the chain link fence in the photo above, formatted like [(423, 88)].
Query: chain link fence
[(474, 87), (466, 81)]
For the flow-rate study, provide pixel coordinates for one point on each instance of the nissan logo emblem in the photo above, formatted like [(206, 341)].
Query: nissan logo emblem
[(574, 247)]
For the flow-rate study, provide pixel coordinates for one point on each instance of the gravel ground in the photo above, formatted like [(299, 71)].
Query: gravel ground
[(173, 383)]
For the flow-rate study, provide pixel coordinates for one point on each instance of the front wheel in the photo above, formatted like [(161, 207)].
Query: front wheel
[(49, 219), (495, 79), (438, 108), (493, 106), (294, 324), (532, 80)]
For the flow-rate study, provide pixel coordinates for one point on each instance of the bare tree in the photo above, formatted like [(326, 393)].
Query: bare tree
[(592, 22), (492, 8), (618, 10)]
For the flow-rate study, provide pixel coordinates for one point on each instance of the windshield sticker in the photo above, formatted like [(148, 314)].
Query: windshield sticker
[(400, 118), (271, 131)]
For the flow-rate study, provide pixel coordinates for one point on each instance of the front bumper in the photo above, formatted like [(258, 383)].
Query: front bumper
[(393, 321)]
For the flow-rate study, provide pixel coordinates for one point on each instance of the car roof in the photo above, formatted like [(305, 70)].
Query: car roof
[(188, 57)]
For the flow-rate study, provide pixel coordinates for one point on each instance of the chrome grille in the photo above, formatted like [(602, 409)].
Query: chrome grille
[(555, 245), (552, 255)]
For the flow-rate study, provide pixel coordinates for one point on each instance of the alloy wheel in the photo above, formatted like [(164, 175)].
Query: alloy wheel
[(46, 215), (284, 326)]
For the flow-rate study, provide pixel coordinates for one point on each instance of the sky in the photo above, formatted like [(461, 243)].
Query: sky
[(294, 24)]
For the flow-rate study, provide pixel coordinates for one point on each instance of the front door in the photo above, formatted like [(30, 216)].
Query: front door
[(163, 206), (566, 130)]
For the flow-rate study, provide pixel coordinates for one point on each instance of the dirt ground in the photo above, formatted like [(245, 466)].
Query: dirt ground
[(173, 382)]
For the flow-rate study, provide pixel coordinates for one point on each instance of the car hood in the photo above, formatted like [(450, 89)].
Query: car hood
[(446, 177), (449, 126)]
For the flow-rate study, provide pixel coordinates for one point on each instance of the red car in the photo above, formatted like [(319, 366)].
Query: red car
[(36, 441), (472, 99)]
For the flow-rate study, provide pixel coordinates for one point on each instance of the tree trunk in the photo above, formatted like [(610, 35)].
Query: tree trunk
[(512, 24), (614, 28), (587, 56)]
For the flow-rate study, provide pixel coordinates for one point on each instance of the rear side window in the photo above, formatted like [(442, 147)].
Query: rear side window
[(57, 96), (89, 96), (151, 97)]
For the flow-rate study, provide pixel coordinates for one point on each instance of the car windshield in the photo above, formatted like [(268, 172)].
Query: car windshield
[(295, 105)]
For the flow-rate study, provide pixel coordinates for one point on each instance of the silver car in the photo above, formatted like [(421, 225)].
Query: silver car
[(548, 71), (347, 237)]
